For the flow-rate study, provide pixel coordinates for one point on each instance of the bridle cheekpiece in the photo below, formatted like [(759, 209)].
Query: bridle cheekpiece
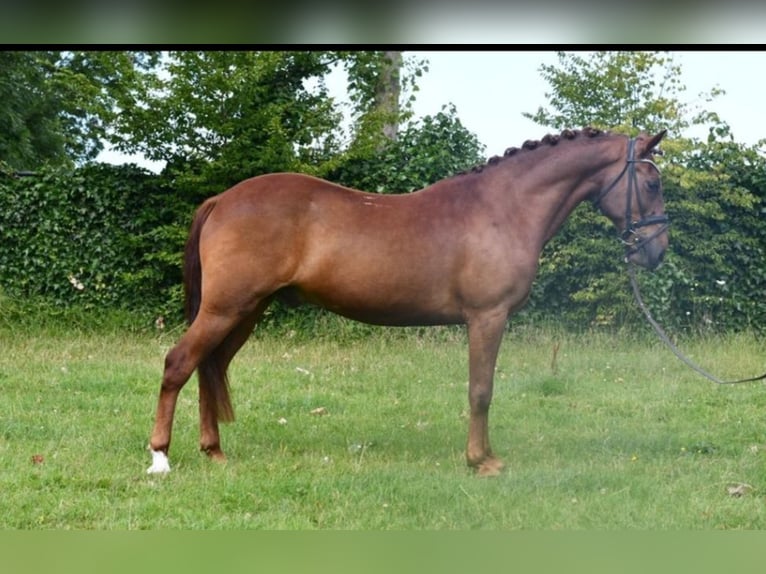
[(632, 240)]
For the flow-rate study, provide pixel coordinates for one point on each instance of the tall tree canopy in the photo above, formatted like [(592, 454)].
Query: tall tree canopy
[(218, 117), (614, 90), (56, 108), (189, 108)]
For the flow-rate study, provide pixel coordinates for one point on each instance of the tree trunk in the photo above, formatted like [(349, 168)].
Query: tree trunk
[(387, 93)]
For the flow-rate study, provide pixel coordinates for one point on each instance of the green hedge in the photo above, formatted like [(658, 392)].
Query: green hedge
[(110, 238), (100, 237)]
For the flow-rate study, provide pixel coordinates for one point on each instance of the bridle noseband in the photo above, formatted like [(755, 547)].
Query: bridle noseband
[(632, 240)]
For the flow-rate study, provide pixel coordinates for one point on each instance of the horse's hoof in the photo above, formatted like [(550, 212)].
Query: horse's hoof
[(215, 454), (490, 466), (160, 463)]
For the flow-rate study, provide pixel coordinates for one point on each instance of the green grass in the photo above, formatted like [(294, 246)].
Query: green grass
[(614, 434)]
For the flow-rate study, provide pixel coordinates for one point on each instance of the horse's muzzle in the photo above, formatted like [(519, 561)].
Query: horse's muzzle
[(647, 247)]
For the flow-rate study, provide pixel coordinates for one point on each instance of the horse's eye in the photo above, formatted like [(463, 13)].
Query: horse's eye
[(654, 186)]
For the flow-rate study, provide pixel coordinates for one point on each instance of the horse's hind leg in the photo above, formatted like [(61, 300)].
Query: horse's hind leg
[(205, 334), (210, 440)]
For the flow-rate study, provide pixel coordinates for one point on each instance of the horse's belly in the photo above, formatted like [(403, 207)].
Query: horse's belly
[(384, 305)]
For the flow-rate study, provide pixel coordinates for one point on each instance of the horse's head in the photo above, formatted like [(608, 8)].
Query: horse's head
[(633, 201)]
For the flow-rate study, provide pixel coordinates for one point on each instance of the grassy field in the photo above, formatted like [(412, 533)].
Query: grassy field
[(368, 433)]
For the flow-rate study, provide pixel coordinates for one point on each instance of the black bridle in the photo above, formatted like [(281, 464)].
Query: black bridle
[(630, 237)]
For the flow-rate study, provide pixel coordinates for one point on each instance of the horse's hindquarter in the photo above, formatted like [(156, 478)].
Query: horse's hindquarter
[(404, 259)]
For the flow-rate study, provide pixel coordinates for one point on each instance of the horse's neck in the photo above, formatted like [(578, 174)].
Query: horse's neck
[(548, 191)]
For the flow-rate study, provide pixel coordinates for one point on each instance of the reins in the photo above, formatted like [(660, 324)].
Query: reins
[(665, 339)]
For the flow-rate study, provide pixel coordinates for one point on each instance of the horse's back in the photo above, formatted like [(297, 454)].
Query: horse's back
[(285, 187), (292, 200)]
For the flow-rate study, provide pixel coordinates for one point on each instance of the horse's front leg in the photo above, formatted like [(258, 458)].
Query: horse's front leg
[(485, 332)]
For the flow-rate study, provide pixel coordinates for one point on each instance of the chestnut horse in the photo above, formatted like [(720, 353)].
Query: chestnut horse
[(463, 250)]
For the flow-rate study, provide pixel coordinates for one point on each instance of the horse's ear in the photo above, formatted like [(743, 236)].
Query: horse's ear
[(653, 143)]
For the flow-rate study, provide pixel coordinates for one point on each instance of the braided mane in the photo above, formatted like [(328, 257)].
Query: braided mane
[(548, 140)]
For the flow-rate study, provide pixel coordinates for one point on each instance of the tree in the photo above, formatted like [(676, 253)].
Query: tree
[(375, 87), (377, 83), (219, 117), (622, 91), (56, 107), (28, 133), (387, 93), (424, 152)]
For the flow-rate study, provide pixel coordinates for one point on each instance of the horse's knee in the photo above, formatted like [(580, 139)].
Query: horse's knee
[(479, 398)]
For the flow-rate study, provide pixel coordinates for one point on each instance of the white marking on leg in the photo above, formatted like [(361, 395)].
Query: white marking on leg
[(160, 463)]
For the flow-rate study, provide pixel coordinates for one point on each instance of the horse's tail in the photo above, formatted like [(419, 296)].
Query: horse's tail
[(192, 266), (212, 369)]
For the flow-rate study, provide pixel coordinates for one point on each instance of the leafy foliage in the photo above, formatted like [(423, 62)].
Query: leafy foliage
[(57, 106), (614, 90), (424, 152), (102, 236), (717, 201), (222, 116)]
